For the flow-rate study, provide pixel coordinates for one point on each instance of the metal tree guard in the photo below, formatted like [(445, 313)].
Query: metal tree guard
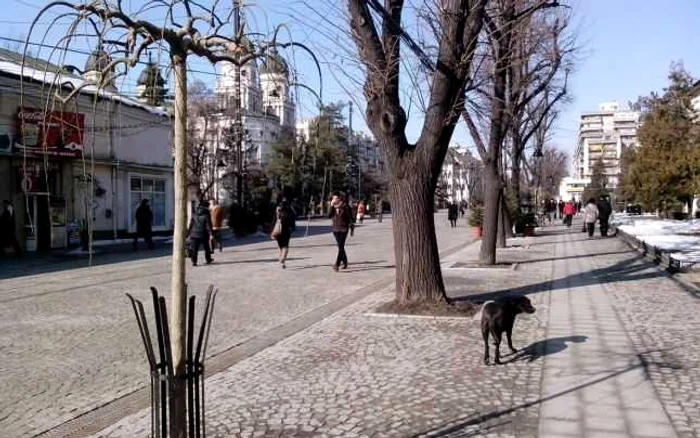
[(162, 374)]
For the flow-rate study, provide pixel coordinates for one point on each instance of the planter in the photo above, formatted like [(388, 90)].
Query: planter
[(477, 232), (528, 231)]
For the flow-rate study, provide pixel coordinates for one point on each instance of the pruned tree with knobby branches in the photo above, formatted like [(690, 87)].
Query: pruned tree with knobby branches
[(180, 29)]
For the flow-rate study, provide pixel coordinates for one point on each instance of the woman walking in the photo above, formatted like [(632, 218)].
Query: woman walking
[(343, 221), (568, 210), (285, 225), (590, 215)]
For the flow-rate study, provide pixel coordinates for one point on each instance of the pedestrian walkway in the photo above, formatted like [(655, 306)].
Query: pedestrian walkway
[(612, 351)]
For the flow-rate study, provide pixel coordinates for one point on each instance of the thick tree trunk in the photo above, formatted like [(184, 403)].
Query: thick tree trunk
[(418, 274), (178, 317), (503, 223), (515, 177), (492, 201)]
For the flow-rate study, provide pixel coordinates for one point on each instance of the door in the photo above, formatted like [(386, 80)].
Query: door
[(43, 223)]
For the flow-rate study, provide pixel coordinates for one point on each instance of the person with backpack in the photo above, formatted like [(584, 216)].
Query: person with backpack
[(200, 232), (285, 224), (342, 222)]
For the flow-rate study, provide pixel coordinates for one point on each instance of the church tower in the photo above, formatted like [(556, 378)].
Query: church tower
[(274, 81)]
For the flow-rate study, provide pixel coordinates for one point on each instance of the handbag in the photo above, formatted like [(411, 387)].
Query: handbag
[(277, 230)]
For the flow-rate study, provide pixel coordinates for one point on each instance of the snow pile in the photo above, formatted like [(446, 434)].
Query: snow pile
[(679, 238)]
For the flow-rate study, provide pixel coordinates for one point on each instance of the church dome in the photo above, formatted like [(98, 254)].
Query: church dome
[(98, 60), (151, 76), (273, 63)]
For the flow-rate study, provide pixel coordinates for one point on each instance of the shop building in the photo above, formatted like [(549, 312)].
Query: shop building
[(88, 161)]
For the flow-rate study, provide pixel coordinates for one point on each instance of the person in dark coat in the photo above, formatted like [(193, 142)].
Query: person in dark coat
[(7, 229), (200, 232), (604, 212), (561, 209), (453, 214), (343, 221), (144, 224), (286, 215)]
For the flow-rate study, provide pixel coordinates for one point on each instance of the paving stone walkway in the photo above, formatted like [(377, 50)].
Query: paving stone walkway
[(612, 351)]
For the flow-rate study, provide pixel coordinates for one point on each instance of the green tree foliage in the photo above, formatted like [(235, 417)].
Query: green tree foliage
[(598, 187), (312, 166), (663, 172)]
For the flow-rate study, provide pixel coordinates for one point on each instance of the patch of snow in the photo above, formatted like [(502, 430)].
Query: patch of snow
[(679, 238)]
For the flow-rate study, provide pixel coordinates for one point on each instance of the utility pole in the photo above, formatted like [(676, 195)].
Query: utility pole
[(238, 122)]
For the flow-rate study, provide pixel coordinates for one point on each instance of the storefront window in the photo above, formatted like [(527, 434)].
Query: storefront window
[(153, 189)]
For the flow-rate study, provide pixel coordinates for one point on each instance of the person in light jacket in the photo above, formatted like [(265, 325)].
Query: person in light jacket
[(590, 216)]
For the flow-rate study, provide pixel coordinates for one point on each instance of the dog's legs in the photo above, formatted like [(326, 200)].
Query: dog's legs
[(497, 344), (485, 334), (509, 335)]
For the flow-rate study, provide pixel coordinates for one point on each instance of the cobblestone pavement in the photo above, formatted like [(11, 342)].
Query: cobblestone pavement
[(69, 341), (359, 375)]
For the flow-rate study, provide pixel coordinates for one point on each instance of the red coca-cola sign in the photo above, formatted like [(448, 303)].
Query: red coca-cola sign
[(53, 133)]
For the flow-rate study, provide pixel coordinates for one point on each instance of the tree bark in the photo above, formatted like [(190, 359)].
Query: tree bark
[(418, 274), (178, 317), (492, 201)]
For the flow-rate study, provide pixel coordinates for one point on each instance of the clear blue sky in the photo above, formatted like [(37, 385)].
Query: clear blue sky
[(628, 46)]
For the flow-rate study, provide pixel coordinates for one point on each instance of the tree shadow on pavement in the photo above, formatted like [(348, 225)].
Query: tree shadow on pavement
[(350, 266), (465, 425), (631, 269), (272, 260), (546, 347), (578, 256)]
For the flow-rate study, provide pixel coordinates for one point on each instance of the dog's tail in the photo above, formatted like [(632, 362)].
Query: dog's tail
[(477, 316)]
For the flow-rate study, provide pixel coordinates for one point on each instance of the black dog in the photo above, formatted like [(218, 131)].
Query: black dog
[(499, 316)]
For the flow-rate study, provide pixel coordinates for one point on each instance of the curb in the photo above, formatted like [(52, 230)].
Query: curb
[(659, 258)]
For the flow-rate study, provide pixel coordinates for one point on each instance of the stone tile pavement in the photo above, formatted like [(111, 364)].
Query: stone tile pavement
[(611, 352)]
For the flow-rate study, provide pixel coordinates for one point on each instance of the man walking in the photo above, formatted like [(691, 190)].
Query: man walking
[(342, 221), (144, 224), (217, 223), (200, 232), (604, 212), (7, 229)]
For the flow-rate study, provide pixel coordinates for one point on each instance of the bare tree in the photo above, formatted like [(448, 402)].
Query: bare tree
[(489, 123), (414, 169), (188, 28)]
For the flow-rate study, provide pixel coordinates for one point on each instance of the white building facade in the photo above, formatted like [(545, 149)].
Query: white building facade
[(604, 135), (455, 175), (90, 161)]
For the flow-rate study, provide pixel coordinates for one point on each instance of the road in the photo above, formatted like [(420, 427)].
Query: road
[(69, 340)]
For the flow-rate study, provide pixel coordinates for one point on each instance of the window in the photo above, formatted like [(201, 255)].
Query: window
[(153, 189)]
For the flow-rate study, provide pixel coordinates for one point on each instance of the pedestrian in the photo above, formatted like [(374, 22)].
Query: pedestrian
[(285, 224), (200, 232), (7, 229), (590, 215), (578, 207), (561, 209), (342, 222), (144, 224), (604, 212), (361, 212), (453, 214), (568, 210), (461, 209), (551, 210), (217, 223)]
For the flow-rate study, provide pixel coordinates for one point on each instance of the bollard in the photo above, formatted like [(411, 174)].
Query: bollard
[(161, 367)]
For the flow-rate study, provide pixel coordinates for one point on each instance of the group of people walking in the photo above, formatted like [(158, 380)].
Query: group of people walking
[(594, 211)]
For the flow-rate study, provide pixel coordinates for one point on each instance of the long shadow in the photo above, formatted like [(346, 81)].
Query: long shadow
[(546, 347), (579, 256), (350, 266), (477, 419), (632, 268), (273, 260)]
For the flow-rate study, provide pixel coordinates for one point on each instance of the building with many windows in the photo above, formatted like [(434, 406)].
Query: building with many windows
[(604, 135)]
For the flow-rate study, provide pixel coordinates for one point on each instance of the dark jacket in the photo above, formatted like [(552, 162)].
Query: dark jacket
[(342, 218), (7, 225), (200, 224), (453, 212), (604, 208), (144, 218), (287, 217)]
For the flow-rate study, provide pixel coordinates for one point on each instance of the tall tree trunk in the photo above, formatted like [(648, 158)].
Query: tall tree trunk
[(418, 274), (515, 175), (178, 394), (492, 201)]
